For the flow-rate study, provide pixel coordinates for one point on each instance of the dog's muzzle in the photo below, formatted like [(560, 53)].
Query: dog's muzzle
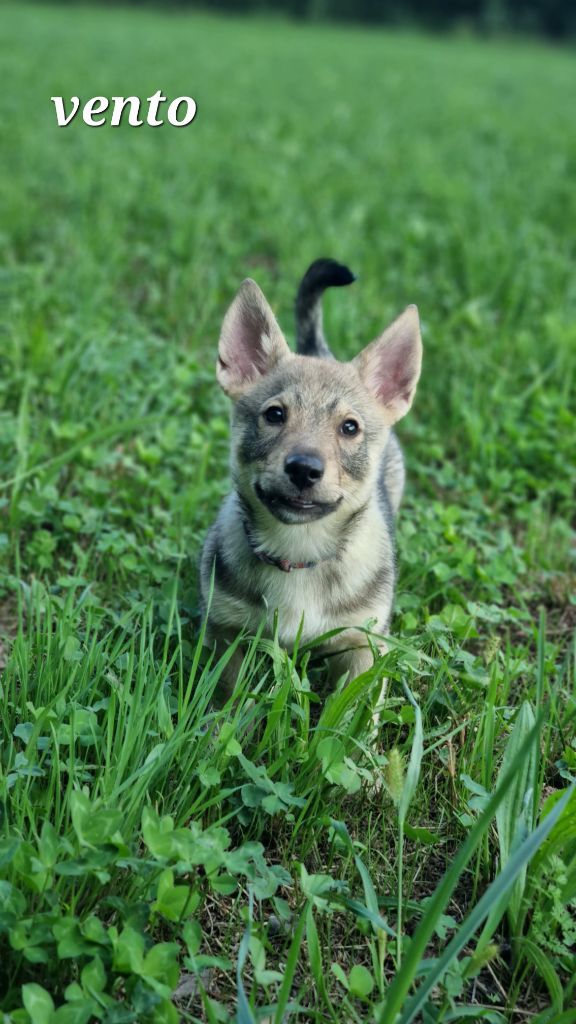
[(299, 508)]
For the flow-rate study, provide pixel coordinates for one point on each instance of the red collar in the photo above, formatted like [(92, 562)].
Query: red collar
[(284, 564)]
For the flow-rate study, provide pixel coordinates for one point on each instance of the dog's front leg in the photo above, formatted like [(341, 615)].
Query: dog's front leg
[(229, 676), (351, 654)]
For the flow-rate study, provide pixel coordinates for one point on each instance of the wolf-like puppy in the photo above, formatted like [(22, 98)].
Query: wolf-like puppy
[(317, 475)]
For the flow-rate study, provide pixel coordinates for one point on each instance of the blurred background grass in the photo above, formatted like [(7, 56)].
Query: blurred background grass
[(440, 168)]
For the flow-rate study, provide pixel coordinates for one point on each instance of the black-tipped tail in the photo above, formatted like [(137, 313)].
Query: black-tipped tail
[(322, 274)]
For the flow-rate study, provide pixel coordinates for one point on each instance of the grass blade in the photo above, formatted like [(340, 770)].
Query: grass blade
[(415, 762), (501, 884), (290, 969), (405, 977), (245, 1015)]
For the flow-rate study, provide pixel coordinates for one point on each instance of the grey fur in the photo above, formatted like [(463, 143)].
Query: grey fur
[(356, 462), (380, 583)]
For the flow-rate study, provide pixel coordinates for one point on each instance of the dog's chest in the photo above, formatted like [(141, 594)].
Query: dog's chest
[(352, 584), (310, 602), (300, 598)]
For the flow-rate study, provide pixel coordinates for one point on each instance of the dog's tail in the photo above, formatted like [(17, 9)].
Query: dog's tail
[(322, 274)]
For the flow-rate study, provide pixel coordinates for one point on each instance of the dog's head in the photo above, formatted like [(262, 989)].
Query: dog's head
[(308, 434)]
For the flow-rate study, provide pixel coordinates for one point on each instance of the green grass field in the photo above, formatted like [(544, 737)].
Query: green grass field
[(161, 860)]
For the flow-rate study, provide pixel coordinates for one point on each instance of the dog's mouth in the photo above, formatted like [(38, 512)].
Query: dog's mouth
[(293, 509)]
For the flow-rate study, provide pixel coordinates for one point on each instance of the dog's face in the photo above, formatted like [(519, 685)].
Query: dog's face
[(308, 434)]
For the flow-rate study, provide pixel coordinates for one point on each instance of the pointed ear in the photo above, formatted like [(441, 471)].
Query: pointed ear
[(390, 366), (251, 342)]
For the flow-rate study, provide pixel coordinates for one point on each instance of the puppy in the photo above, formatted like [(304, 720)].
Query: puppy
[(317, 477)]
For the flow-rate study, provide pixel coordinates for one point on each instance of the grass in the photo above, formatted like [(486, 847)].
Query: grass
[(165, 859)]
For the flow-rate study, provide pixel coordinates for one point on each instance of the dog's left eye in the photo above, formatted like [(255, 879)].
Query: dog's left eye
[(349, 428), (274, 414)]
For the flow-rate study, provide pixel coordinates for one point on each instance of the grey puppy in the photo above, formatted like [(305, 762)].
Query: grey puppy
[(317, 475)]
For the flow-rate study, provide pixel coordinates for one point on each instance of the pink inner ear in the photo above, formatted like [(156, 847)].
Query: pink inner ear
[(395, 373), (248, 354)]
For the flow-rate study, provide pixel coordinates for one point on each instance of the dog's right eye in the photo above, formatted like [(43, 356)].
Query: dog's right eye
[(349, 428), (274, 414)]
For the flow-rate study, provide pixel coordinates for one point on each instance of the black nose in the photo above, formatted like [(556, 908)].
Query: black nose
[(304, 469)]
